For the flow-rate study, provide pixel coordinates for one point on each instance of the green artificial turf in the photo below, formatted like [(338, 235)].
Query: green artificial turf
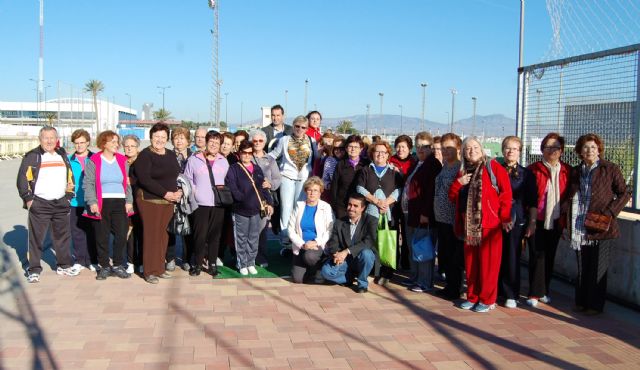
[(278, 266)]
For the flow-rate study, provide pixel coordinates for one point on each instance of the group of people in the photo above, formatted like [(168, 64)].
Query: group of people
[(325, 195)]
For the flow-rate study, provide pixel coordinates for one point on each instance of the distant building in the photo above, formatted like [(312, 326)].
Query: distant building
[(266, 116)]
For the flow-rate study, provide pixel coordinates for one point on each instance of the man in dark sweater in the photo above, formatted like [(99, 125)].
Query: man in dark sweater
[(277, 128), (352, 246)]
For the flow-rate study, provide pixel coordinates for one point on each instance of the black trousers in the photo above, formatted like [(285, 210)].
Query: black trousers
[(113, 221), (226, 239), (134, 240), (450, 257), (82, 235), (307, 265), (403, 246), (42, 214), (187, 246), (591, 285), (542, 256), (207, 229), (509, 280)]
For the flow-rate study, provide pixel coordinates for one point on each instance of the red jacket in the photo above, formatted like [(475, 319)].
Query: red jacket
[(404, 165), (542, 174), (496, 208)]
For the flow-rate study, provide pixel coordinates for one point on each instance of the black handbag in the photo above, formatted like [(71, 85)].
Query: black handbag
[(222, 196)]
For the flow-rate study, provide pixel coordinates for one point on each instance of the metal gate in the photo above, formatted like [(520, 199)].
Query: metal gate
[(596, 92)]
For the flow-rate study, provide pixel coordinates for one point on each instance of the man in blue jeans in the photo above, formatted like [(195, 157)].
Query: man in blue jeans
[(352, 246)]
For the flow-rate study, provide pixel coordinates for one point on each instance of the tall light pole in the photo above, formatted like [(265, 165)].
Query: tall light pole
[(127, 94), (41, 58), (163, 88), (473, 128), (37, 99), (306, 86), (381, 101), (447, 116), (286, 100), (226, 108), (215, 78), (453, 106), (401, 131), (366, 122), (424, 97)]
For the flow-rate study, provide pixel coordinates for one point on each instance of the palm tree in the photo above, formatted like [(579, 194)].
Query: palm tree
[(50, 116), (346, 127), (95, 87), (161, 115)]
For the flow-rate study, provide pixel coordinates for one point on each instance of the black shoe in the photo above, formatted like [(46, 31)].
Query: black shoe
[(213, 271), (348, 284), (195, 271), (120, 272), (103, 273), (361, 289)]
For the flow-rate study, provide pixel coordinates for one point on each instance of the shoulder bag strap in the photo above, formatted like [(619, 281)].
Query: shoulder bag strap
[(213, 183), (252, 183)]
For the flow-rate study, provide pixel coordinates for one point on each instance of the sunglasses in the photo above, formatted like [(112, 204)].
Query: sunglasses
[(247, 153), (300, 127), (258, 141)]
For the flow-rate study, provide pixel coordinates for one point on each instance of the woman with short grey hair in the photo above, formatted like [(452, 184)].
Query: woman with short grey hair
[(272, 178)]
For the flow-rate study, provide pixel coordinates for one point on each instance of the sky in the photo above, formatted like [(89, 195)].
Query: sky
[(348, 50)]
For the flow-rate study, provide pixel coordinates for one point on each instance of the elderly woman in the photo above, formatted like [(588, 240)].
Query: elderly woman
[(252, 202), (596, 196), (381, 185), (180, 138), (295, 154), (205, 170), (238, 137), (343, 183), (523, 220), (108, 197), (482, 194), (337, 152), (437, 147), (271, 182), (403, 162), (315, 120), (156, 171), (131, 145), (227, 146), (552, 182), (417, 208), (450, 248), (84, 249), (309, 229)]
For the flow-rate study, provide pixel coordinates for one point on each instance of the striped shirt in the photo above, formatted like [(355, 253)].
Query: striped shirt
[(52, 177)]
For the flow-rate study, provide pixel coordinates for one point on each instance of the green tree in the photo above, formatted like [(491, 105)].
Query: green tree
[(50, 116), (223, 125), (162, 115), (95, 87), (346, 127)]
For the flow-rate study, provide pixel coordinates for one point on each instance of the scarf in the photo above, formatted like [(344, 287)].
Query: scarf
[(552, 206), (299, 151), (473, 216)]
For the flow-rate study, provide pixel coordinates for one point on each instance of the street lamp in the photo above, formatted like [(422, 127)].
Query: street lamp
[(381, 101), (473, 128), (306, 86), (401, 131), (424, 95), (453, 106), (37, 82), (366, 124), (226, 108), (163, 88), (286, 100)]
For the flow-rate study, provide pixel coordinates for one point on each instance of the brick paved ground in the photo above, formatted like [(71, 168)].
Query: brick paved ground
[(194, 323)]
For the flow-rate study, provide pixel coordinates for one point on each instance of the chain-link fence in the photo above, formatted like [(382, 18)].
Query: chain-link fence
[(599, 93)]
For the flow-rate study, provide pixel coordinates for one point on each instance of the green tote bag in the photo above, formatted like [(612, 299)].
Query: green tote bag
[(386, 243)]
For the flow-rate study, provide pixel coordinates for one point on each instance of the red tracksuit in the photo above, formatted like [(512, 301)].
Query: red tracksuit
[(482, 262)]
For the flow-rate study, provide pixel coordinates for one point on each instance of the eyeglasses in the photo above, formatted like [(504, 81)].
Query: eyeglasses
[(247, 153), (353, 147), (551, 147), (380, 152), (258, 140), (300, 127), (511, 149), (130, 146), (81, 143)]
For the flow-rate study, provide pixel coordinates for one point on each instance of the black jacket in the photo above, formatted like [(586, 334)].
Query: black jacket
[(364, 236), (268, 130), (28, 174), (343, 184)]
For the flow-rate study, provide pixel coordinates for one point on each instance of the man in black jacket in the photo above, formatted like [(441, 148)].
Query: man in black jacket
[(277, 128), (352, 246), (46, 185)]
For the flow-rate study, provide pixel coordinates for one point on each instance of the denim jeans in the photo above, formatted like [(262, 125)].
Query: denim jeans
[(360, 265), (290, 193)]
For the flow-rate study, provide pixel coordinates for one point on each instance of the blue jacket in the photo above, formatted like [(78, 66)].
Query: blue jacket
[(245, 200), (78, 177)]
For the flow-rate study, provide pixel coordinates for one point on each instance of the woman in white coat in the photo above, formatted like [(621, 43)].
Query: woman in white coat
[(309, 230)]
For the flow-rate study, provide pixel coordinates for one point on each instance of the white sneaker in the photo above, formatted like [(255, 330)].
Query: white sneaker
[(511, 303), (33, 278), (532, 302), (69, 271), (78, 267), (93, 267), (244, 271), (252, 270), (219, 262), (545, 299), (130, 268)]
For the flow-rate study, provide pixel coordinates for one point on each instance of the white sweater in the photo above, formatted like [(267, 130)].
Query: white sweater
[(288, 169), (323, 220)]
